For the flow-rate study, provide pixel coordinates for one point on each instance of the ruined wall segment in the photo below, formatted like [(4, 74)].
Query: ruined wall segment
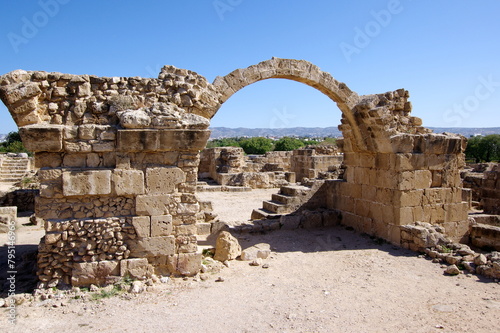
[(491, 191), (118, 162)]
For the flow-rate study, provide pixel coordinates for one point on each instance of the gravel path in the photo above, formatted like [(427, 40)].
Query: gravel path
[(323, 280)]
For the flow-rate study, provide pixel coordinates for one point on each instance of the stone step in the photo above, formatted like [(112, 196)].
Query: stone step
[(275, 207), (10, 180), (284, 199), (485, 236), (5, 172), (294, 190), (487, 219), (263, 214)]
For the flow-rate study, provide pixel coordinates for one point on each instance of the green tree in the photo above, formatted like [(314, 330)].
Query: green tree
[(286, 144), (13, 144), (483, 148), (224, 142), (257, 145)]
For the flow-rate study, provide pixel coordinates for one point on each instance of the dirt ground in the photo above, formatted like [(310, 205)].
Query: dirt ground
[(322, 280)]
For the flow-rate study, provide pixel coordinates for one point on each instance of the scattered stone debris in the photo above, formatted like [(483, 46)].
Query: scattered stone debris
[(261, 250)]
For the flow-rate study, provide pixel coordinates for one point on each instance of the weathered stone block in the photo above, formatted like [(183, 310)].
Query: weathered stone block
[(142, 225), (94, 182), (161, 225), (38, 138), (163, 180), (128, 182), (74, 160), (137, 140), (87, 132), (188, 208), (152, 246), (97, 273), (187, 264), (154, 205), (423, 179), (136, 268)]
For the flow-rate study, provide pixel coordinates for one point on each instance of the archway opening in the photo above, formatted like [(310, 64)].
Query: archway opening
[(270, 109)]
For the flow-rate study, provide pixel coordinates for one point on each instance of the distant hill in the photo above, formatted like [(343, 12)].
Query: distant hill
[(224, 132), (315, 132)]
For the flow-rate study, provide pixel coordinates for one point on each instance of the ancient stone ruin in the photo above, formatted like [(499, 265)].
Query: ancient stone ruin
[(228, 166), (119, 157)]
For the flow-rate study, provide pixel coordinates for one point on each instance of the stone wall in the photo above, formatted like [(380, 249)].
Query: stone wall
[(118, 162), (406, 175), (314, 161), (491, 190), (119, 157), (230, 166)]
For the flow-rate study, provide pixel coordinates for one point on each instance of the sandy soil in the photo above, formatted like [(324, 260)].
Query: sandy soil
[(323, 280)]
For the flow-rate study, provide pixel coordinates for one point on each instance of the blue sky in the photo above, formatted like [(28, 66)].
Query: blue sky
[(446, 53)]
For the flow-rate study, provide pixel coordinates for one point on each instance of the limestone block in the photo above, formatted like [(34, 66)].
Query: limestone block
[(37, 138), (154, 205), (137, 140), (152, 246), (187, 264), (93, 160), (84, 90), (183, 140), (203, 228), (47, 160), (75, 160), (134, 119), (142, 226), (187, 208), (406, 180), (402, 143), (409, 197), (423, 179), (106, 146), (261, 250), (87, 273), (188, 229), (161, 225), (163, 180), (227, 247), (136, 268), (128, 182), (79, 183), (87, 132)]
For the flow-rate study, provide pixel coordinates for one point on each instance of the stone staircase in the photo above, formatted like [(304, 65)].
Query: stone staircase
[(288, 200), (485, 232), (13, 169)]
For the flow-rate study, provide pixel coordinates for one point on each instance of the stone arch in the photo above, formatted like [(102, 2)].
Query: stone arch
[(132, 145), (297, 70)]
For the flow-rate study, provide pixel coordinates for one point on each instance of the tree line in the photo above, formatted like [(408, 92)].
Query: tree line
[(261, 145), (483, 148)]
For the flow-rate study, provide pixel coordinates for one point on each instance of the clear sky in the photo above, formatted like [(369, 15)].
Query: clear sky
[(446, 53)]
